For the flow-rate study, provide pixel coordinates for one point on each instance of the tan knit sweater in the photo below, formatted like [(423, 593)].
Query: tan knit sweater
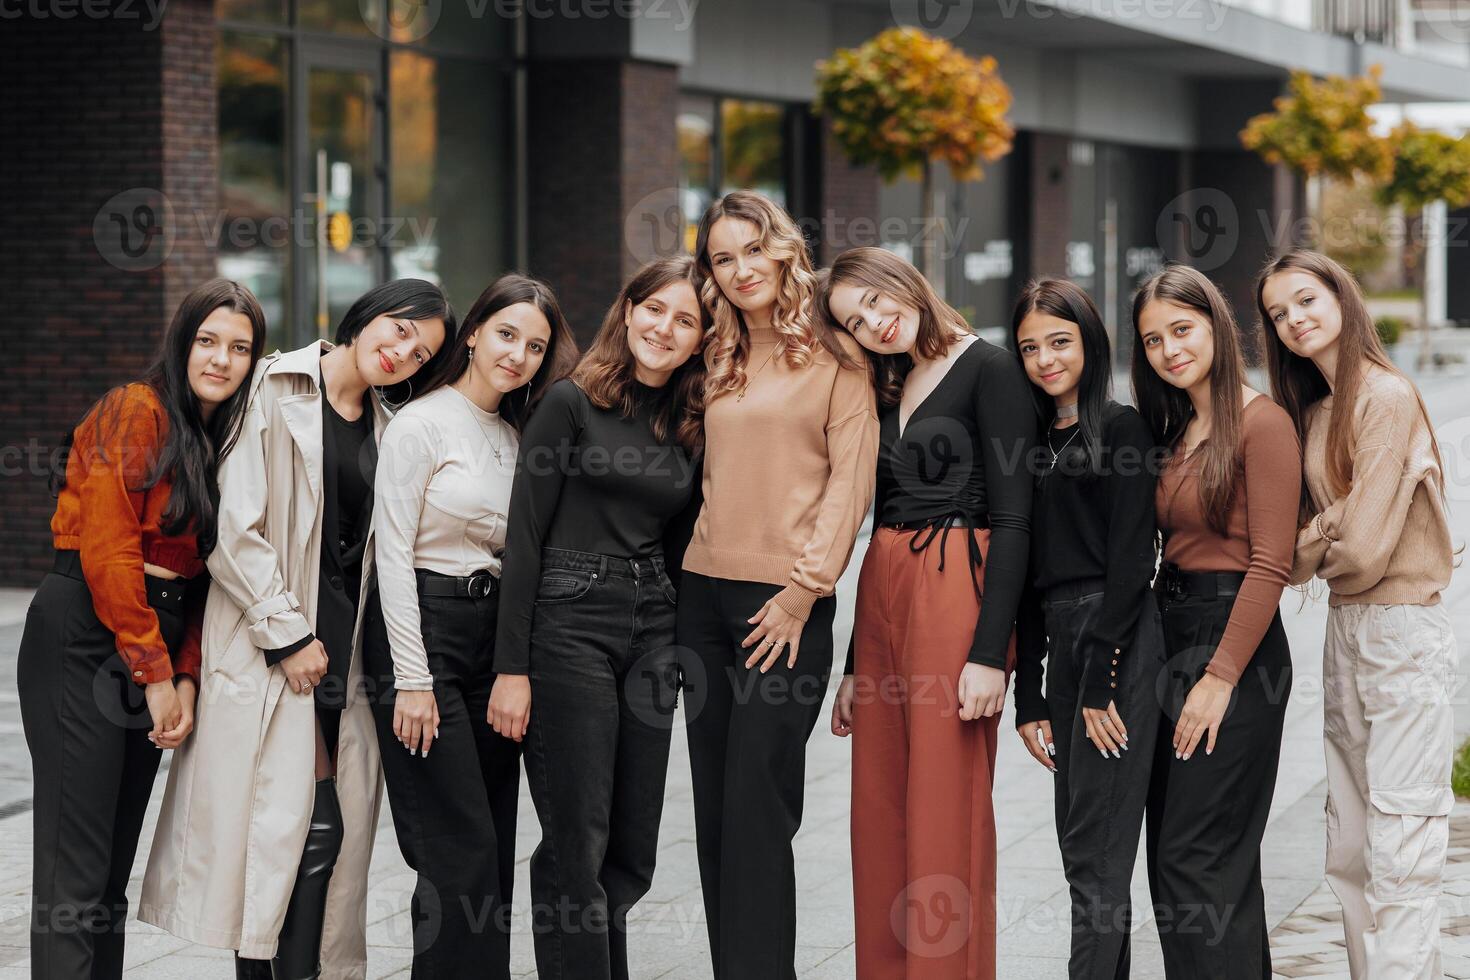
[(788, 474), (1388, 539)]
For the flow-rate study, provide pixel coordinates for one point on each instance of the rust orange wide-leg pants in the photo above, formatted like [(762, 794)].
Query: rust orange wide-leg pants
[(923, 828)]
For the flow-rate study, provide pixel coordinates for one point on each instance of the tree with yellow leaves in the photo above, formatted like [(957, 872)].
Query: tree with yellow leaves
[(1428, 167), (1322, 128), (904, 101)]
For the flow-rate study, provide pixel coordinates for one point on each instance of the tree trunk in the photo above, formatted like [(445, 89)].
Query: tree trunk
[(929, 238)]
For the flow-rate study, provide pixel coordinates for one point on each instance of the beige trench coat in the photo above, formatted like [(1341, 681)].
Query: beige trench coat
[(239, 797)]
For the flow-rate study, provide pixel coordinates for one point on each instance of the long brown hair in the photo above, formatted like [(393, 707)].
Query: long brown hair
[(1297, 384), (727, 350), (561, 353), (940, 325), (1167, 409), (606, 371)]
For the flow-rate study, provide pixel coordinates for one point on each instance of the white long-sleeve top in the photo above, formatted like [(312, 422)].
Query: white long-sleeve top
[(440, 503)]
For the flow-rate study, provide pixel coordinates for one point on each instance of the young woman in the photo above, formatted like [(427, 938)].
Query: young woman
[(1089, 615), (281, 778), (442, 495), (115, 624), (1375, 529), (585, 645), (957, 428), (791, 438), (1226, 502)]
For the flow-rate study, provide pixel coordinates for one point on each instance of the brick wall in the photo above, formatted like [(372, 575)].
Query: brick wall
[(94, 108), (847, 192), (604, 178), (1051, 214)]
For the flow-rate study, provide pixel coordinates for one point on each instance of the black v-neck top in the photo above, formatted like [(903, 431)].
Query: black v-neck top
[(965, 458)]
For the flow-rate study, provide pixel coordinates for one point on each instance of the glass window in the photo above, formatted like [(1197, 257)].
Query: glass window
[(752, 148), (449, 216), (255, 11), (254, 234), (483, 28), (358, 18), (696, 134)]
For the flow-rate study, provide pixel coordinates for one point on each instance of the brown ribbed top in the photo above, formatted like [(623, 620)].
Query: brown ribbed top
[(1261, 528)]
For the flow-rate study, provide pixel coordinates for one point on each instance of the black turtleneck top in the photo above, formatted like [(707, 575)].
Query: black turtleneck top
[(591, 480)]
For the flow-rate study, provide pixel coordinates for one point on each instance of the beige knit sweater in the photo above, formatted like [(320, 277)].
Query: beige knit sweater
[(788, 474), (1387, 540)]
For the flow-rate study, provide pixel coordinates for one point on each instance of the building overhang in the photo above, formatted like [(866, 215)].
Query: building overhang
[(1204, 39)]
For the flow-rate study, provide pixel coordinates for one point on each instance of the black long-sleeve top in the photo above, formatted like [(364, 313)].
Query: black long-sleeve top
[(1086, 526), (965, 458), (590, 480)]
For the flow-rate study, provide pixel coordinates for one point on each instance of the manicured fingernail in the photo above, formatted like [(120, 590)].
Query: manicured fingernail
[(1051, 750), (1185, 758), (1125, 736), (1178, 756), (1104, 753), (1117, 754)]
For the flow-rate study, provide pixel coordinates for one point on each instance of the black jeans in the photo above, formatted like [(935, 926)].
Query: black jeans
[(87, 726), (1206, 816), (604, 684), (747, 760), (454, 811), (1100, 800)]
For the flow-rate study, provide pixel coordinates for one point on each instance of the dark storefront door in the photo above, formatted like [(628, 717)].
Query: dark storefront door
[(340, 181)]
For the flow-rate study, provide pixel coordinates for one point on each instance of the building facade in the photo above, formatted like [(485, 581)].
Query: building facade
[(312, 148)]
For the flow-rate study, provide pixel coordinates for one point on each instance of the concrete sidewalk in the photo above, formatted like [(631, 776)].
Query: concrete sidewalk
[(668, 938)]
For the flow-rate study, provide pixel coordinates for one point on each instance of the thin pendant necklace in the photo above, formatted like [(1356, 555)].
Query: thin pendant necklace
[(1056, 453), (496, 449), (749, 378)]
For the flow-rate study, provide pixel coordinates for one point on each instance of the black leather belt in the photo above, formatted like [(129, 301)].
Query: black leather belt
[(163, 593), (480, 585), (1175, 583)]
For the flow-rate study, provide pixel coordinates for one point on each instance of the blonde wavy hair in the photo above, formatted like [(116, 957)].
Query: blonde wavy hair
[(727, 343)]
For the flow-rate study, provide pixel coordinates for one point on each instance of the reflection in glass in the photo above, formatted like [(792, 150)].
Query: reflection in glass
[(751, 148), (254, 244), (450, 209), (358, 18), (256, 11), (339, 166), (483, 28), (696, 130)]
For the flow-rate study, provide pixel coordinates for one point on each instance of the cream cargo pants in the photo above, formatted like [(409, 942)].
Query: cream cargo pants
[(1388, 673)]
